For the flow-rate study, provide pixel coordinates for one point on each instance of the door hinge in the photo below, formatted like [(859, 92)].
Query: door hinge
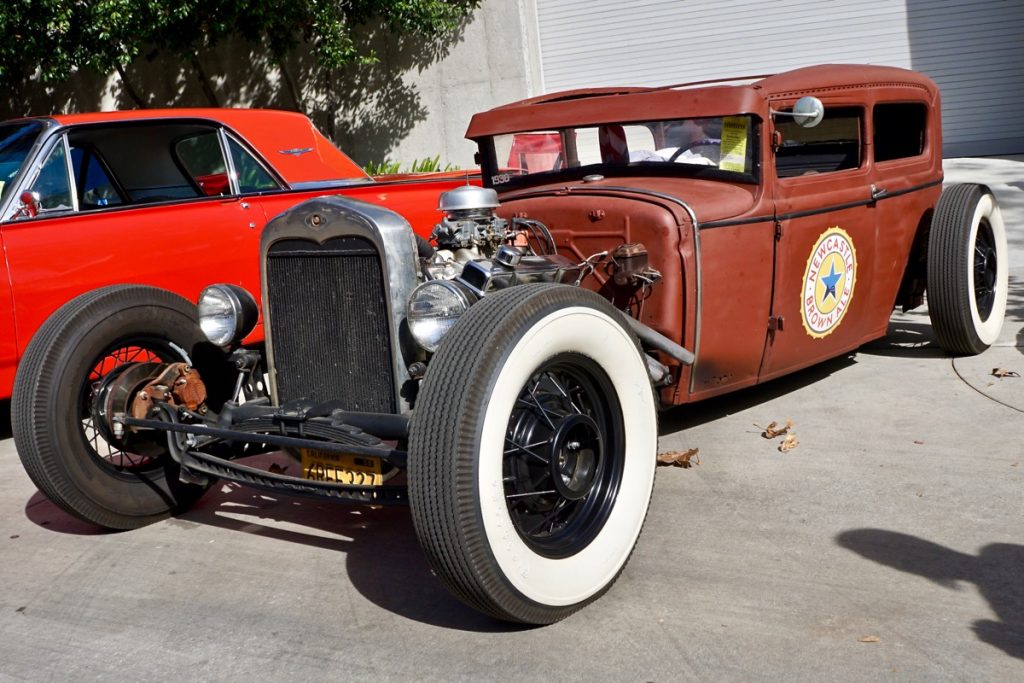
[(778, 230), (775, 322)]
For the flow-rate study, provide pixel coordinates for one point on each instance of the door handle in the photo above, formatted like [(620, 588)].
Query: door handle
[(878, 193)]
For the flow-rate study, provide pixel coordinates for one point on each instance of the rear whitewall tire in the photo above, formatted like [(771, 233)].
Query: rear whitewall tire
[(967, 241)]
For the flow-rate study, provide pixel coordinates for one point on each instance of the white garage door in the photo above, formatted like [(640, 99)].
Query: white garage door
[(974, 49)]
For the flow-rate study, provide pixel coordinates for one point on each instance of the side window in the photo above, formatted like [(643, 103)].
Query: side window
[(899, 130), (252, 177), (832, 145), (203, 160), (95, 188), (52, 185)]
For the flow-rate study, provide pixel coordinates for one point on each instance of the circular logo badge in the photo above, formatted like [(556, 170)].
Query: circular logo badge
[(828, 282)]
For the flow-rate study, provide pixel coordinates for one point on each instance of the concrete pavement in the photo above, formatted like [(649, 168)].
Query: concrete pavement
[(887, 545)]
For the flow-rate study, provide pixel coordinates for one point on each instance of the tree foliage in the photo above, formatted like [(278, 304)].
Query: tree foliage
[(49, 40)]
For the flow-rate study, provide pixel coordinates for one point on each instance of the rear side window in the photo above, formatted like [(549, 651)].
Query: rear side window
[(95, 187), (203, 160), (832, 145), (899, 130)]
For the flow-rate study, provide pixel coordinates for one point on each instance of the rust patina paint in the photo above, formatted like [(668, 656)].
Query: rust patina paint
[(733, 291)]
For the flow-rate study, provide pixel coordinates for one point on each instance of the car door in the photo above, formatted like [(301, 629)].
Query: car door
[(146, 203), (825, 237)]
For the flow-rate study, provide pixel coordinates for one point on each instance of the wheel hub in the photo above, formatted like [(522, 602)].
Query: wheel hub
[(576, 456)]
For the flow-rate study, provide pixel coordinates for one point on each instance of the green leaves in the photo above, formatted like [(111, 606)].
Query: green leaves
[(51, 39)]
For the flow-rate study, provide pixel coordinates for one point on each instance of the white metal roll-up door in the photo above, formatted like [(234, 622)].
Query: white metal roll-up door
[(974, 49)]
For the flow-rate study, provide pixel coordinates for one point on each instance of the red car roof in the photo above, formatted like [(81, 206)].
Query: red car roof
[(288, 140)]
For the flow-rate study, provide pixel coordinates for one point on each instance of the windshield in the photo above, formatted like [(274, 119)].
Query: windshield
[(16, 140), (715, 147)]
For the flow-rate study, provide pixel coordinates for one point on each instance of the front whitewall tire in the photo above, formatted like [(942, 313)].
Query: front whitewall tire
[(537, 406), (566, 581)]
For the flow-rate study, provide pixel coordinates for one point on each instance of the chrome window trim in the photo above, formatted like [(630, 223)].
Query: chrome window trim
[(229, 163), (68, 163), (30, 169)]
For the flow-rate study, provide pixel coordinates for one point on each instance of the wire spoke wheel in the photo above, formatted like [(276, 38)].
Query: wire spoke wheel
[(986, 268), (117, 356), (65, 446), (562, 461)]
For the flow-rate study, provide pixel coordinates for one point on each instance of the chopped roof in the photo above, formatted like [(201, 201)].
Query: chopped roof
[(702, 98)]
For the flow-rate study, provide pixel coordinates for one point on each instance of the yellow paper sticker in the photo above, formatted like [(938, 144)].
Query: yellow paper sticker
[(734, 144)]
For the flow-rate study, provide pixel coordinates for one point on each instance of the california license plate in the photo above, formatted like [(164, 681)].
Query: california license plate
[(342, 468)]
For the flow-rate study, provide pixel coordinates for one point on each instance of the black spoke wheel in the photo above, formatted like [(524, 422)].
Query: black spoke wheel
[(560, 470), (65, 448), (532, 453), (968, 273), (986, 270)]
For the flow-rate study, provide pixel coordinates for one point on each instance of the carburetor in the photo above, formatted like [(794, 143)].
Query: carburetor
[(469, 229)]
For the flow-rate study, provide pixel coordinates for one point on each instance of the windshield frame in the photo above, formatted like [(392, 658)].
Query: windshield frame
[(491, 167)]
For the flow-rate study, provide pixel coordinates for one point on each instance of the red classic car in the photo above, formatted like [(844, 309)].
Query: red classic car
[(175, 199), (632, 249)]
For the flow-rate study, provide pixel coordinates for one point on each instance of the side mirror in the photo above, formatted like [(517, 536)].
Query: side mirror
[(29, 205), (807, 112)]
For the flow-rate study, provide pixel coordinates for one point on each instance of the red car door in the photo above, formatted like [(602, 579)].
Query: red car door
[(825, 238), (137, 211)]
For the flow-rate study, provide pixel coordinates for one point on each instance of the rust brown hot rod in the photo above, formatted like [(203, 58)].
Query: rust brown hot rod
[(632, 249)]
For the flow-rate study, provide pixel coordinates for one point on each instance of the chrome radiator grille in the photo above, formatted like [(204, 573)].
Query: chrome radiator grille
[(328, 319)]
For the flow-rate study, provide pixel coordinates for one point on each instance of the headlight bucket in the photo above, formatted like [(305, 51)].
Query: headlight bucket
[(227, 313), (434, 308)]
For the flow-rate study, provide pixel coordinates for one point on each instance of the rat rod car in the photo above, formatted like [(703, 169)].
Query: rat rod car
[(172, 198), (651, 247)]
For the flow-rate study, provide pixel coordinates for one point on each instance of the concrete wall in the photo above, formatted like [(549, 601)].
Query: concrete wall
[(497, 61)]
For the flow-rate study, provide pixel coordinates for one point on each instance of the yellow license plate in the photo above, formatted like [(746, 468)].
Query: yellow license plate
[(341, 468)]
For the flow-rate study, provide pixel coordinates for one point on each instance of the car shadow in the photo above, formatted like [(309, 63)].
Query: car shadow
[(383, 558), (695, 414), (907, 337), (5, 419), (996, 570)]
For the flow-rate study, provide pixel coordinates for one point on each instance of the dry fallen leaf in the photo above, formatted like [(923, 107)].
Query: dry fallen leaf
[(1016, 464), (869, 639), (789, 443), (680, 458), (919, 443), (773, 430), (1003, 372)]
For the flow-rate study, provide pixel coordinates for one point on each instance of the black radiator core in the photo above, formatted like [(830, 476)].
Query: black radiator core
[(329, 323)]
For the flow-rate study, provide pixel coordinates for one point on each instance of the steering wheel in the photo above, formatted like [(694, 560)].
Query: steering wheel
[(696, 143)]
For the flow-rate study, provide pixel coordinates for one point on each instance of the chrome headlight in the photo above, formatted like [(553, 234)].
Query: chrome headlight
[(227, 313), (434, 307)]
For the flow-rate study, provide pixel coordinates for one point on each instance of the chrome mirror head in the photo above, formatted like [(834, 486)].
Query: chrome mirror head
[(808, 111)]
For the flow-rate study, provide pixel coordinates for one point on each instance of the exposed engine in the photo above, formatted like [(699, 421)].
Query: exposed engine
[(474, 244)]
